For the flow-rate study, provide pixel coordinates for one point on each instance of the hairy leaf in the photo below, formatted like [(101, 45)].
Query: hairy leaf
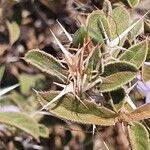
[(70, 108), (115, 75), (136, 54), (46, 63), (116, 41), (14, 32), (20, 121), (135, 31), (94, 28), (119, 21), (43, 131), (132, 3), (138, 135), (29, 81), (141, 112)]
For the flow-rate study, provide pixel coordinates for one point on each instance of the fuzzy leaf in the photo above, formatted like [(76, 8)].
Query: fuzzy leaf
[(78, 37), (116, 41), (141, 112), (138, 136), (46, 63), (20, 121), (132, 3), (94, 28), (146, 71), (119, 21), (136, 54), (134, 32), (29, 81), (70, 108), (115, 75), (14, 32), (43, 131)]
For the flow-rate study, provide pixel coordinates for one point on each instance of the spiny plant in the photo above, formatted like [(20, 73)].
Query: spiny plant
[(104, 58)]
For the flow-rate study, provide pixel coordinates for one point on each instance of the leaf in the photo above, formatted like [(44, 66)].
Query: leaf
[(20, 121), (118, 97), (116, 41), (136, 54), (2, 69), (94, 29), (141, 112), (43, 131), (78, 37), (132, 3), (146, 71), (139, 137), (14, 32), (29, 81), (17, 99), (116, 74), (134, 32), (47, 63), (119, 21), (68, 107)]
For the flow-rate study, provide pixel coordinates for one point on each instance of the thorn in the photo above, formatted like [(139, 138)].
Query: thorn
[(67, 34), (94, 128), (66, 53), (81, 101)]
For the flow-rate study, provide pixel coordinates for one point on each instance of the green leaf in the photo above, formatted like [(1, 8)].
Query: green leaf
[(139, 137), (43, 131), (136, 54), (146, 71), (78, 37), (118, 97), (119, 21), (2, 69), (14, 32), (29, 81), (116, 75), (94, 28), (132, 3), (46, 63), (21, 121), (134, 32), (70, 108)]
